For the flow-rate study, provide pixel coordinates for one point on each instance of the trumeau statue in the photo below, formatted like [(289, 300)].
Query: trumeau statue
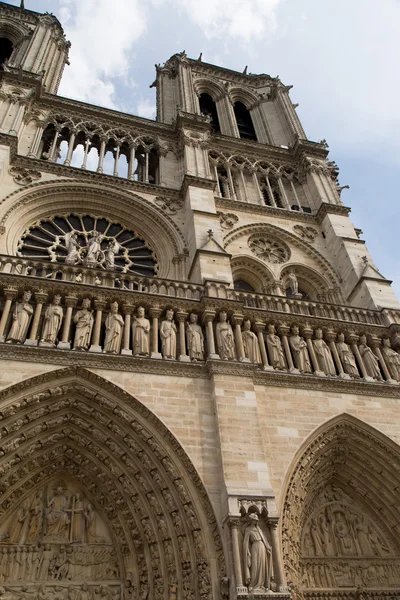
[(224, 337), (21, 318), (347, 357), (114, 327), (250, 344), (257, 557), (141, 334), (195, 338), (323, 354), (275, 350), (370, 361), (392, 359), (52, 322), (168, 336), (84, 325), (300, 352)]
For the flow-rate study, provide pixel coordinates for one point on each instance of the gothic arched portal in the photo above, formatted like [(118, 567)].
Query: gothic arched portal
[(97, 496), (341, 514)]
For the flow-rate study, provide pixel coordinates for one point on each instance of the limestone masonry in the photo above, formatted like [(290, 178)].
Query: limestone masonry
[(200, 378)]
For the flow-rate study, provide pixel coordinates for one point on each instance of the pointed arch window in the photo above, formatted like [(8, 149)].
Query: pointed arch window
[(244, 122), (209, 108), (6, 49)]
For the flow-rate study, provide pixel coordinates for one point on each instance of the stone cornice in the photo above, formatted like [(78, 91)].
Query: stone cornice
[(303, 148), (30, 16), (331, 209), (282, 213), (25, 79), (12, 142), (251, 149), (254, 80), (199, 182)]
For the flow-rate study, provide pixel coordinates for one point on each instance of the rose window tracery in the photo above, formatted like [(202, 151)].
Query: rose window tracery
[(88, 241), (270, 250)]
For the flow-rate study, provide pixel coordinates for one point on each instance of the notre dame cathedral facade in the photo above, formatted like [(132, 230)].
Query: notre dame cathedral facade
[(199, 378)]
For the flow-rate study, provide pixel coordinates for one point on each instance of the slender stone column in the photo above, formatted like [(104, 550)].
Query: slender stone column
[(295, 194), (127, 309), (208, 318), (236, 322), (259, 327), (182, 316), (131, 165), (283, 331), (283, 192), (245, 199), (7, 104), (10, 295), (155, 315), (101, 155), (100, 306), (258, 190), (237, 565), (146, 166), (331, 337), (35, 146), (71, 143), (307, 334), (375, 345), (70, 302), (40, 298), (87, 144), (16, 122), (218, 191), (353, 339), (53, 149), (116, 159), (231, 185), (271, 193), (279, 573)]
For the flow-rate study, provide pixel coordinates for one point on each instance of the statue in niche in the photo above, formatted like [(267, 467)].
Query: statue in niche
[(392, 359), (250, 344), (114, 328), (19, 526), (361, 535), (257, 555), (36, 517), (326, 536), (141, 334), (168, 336), (77, 518), (275, 350), (347, 357), (73, 247), (293, 287), (225, 339), (93, 249), (84, 325), (317, 538), (109, 254), (323, 354), (195, 338), (52, 322), (343, 534), (57, 515), (370, 361), (22, 314), (300, 352)]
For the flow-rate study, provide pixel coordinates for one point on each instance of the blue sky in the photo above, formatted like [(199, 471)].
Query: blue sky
[(341, 56)]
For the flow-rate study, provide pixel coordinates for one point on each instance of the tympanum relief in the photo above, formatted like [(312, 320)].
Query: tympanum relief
[(55, 537), (344, 547)]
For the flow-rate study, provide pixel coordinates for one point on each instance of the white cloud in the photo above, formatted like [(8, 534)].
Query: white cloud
[(101, 37), (146, 108)]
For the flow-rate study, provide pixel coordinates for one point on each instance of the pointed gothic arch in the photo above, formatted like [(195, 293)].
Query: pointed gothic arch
[(70, 436), (341, 512)]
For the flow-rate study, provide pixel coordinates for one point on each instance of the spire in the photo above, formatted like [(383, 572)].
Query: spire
[(22, 4)]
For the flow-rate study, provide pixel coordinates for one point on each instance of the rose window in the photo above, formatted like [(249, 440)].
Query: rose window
[(268, 249), (89, 241)]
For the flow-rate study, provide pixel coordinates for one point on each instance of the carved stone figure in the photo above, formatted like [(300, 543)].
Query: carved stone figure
[(52, 322), (224, 337), (392, 359), (21, 318), (316, 538), (293, 284), (195, 338), (141, 334), (250, 344), (72, 245), (84, 325), (370, 361), (347, 357), (94, 249), (275, 350), (323, 354), (257, 556), (343, 535), (300, 352), (18, 527), (36, 516), (57, 515), (168, 336), (109, 254), (360, 529), (114, 327)]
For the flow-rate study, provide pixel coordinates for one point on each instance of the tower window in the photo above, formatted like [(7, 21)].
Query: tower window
[(208, 108), (244, 122), (6, 49)]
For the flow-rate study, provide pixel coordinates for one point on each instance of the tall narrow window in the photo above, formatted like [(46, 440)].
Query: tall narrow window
[(244, 122), (209, 109), (6, 49)]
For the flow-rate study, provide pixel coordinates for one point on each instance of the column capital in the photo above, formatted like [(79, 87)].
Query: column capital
[(307, 332), (99, 304), (283, 329), (10, 293), (331, 335), (181, 316), (352, 337), (208, 315), (375, 341), (233, 522), (237, 319), (71, 301), (155, 312), (41, 296), (259, 326), (273, 523), (128, 308)]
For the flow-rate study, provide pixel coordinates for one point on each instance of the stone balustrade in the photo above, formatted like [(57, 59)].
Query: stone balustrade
[(79, 317)]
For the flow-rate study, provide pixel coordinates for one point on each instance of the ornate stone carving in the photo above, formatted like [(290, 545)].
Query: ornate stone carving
[(52, 323), (257, 557), (370, 360), (114, 328), (275, 350), (269, 249), (306, 233), (141, 333), (24, 176), (323, 354), (250, 344), (84, 321), (21, 315), (392, 359), (224, 337), (168, 336), (300, 352), (195, 338), (227, 220), (170, 205), (347, 357)]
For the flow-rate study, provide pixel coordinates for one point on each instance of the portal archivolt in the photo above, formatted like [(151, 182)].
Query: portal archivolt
[(341, 516), (98, 497)]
